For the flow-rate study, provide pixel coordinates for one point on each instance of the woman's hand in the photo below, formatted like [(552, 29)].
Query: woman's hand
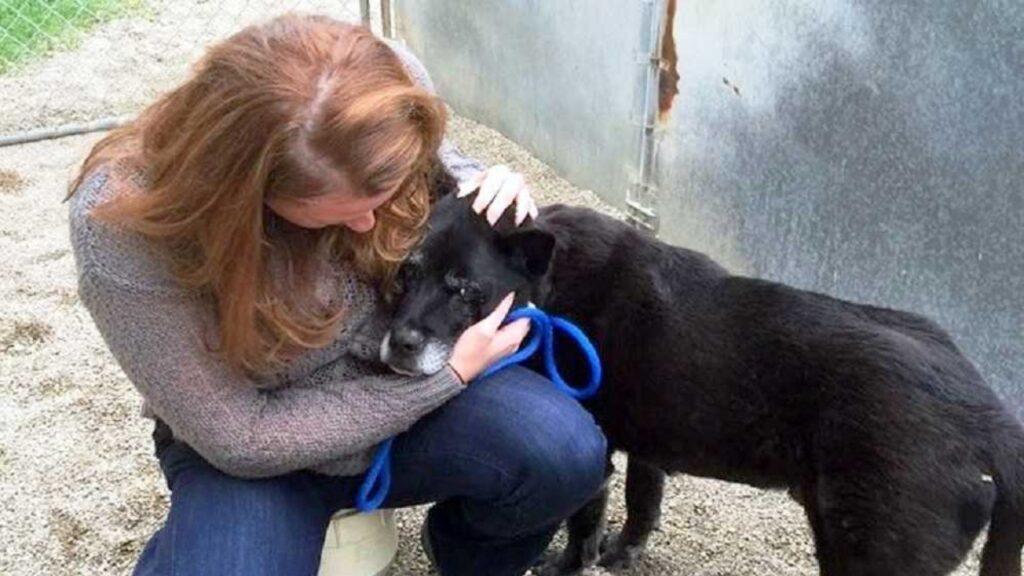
[(487, 341), (498, 188)]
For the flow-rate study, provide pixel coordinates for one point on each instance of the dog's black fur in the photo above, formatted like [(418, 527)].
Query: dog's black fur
[(871, 418)]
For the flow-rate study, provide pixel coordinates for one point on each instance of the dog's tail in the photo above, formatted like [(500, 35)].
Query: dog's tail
[(1002, 554)]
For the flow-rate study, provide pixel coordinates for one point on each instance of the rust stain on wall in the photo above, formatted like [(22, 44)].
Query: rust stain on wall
[(668, 72)]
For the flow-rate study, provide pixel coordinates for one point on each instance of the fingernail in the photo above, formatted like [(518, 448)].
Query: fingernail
[(496, 214)]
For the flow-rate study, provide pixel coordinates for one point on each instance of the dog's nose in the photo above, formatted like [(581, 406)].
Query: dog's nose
[(407, 340)]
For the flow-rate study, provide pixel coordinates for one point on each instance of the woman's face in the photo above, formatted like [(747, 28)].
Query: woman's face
[(340, 205)]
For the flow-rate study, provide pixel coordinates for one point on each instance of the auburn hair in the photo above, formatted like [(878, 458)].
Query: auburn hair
[(275, 110)]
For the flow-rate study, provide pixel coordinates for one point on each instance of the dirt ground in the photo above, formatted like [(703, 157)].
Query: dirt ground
[(80, 492)]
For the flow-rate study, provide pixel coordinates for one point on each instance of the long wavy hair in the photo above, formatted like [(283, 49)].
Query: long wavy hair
[(273, 111)]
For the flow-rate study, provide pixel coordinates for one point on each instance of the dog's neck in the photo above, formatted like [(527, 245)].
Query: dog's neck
[(572, 284)]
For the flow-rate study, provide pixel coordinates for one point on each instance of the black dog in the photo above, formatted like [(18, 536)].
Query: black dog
[(871, 418)]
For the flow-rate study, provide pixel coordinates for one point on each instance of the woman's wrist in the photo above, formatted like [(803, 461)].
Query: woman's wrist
[(457, 373)]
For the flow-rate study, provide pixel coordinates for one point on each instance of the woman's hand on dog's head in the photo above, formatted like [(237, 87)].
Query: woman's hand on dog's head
[(487, 342), (497, 189)]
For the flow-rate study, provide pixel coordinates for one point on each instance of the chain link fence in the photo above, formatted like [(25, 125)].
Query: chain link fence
[(29, 28), (71, 66)]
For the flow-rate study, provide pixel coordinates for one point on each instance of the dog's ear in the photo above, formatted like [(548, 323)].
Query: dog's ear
[(529, 247), (441, 182)]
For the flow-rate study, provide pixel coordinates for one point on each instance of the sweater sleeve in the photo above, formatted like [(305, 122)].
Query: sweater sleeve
[(462, 167), (158, 333)]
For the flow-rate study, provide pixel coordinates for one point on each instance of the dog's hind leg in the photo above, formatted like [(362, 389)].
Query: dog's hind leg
[(645, 485), (881, 526), (1002, 553), (838, 550), (585, 529), (1001, 556), (806, 495)]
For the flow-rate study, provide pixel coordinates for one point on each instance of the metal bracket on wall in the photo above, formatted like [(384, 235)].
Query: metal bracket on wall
[(385, 19), (642, 207), (386, 28), (642, 194)]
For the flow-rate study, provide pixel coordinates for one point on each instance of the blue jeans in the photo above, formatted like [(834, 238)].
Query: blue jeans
[(506, 461)]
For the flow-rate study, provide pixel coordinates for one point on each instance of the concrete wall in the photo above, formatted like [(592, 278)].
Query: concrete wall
[(868, 149)]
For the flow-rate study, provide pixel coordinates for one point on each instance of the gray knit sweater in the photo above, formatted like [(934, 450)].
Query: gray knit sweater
[(325, 411)]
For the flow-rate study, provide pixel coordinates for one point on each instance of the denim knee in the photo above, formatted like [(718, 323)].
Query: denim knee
[(555, 452), (219, 524)]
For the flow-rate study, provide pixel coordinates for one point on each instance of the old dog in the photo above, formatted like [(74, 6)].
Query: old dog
[(871, 418)]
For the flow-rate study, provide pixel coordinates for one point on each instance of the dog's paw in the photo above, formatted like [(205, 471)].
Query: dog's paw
[(558, 564), (616, 554)]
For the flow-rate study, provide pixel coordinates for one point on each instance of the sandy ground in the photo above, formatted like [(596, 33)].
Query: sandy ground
[(79, 490), (122, 65)]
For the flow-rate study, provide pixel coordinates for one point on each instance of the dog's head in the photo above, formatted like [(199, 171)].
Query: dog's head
[(456, 276)]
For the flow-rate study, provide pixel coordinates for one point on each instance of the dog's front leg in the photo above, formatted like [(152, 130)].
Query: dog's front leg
[(645, 485), (582, 550), (585, 528)]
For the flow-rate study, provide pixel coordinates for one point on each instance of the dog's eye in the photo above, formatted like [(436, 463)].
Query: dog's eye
[(454, 283), (466, 290), (471, 293)]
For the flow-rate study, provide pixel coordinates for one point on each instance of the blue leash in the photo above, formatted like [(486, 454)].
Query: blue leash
[(377, 482)]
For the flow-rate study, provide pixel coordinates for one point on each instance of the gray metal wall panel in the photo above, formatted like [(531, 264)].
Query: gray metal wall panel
[(558, 77), (870, 150)]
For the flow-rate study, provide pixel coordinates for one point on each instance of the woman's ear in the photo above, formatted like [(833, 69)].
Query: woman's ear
[(529, 247)]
